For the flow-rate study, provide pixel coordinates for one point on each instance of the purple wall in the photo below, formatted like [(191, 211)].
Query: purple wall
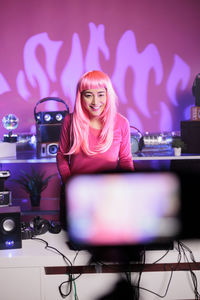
[(150, 49)]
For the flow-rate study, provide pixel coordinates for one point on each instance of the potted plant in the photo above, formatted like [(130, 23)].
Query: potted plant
[(178, 145), (34, 183)]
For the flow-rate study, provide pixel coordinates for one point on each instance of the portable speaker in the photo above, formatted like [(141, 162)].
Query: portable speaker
[(10, 227), (48, 123), (47, 133), (190, 133), (46, 149), (52, 117)]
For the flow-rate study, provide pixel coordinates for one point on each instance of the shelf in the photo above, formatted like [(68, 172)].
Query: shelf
[(26, 157), (49, 208), (160, 157), (30, 157)]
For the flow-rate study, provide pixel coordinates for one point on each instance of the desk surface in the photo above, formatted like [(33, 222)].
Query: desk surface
[(30, 157), (26, 157), (33, 253)]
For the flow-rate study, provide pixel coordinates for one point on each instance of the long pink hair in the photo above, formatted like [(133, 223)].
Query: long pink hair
[(79, 131)]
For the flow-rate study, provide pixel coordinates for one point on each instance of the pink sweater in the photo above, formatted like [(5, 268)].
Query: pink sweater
[(119, 152)]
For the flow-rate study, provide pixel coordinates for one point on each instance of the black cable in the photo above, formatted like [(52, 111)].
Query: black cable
[(137, 286), (152, 292), (159, 259), (67, 261), (64, 295), (166, 291), (183, 247), (143, 255)]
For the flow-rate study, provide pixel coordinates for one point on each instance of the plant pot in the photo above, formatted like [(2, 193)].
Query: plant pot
[(35, 200), (177, 151)]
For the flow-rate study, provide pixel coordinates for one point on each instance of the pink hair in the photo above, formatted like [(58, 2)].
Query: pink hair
[(80, 122)]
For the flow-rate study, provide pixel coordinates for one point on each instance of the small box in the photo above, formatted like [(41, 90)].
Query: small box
[(7, 149), (195, 113)]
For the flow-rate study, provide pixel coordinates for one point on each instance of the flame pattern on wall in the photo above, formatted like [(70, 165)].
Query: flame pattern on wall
[(141, 65)]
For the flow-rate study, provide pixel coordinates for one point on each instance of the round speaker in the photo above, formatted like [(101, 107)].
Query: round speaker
[(52, 149), (8, 225)]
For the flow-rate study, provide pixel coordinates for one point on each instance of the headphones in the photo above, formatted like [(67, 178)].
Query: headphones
[(39, 226)]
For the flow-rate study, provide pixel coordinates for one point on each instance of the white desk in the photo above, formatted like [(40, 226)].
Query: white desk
[(162, 157), (22, 272), (30, 157)]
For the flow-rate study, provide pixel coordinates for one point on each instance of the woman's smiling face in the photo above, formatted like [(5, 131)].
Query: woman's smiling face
[(94, 101)]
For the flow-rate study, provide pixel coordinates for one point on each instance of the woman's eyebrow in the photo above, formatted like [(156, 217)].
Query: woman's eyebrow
[(103, 91), (86, 92)]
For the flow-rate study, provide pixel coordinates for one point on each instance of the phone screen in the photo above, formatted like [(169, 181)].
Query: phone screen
[(123, 208)]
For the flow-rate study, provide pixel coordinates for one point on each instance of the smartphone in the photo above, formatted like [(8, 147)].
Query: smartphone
[(119, 209)]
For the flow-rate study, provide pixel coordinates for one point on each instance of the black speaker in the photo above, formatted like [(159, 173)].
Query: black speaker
[(10, 227), (46, 149), (47, 133), (196, 89), (190, 134)]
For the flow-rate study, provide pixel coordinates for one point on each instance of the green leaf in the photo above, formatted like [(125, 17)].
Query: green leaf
[(34, 182)]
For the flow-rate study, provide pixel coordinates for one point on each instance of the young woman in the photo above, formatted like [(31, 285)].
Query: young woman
[(95, 138)]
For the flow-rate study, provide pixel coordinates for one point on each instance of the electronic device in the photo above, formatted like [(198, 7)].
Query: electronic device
[(46, 149), (190, 131), (10, 227), (48, 133), (3, 176), (39, 226), (5, 198), (48, 126), (122, 210), (196, 89)]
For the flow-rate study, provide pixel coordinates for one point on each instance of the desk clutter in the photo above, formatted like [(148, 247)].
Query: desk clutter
[(12, 229), (44, 142), (10, 217), (48, 125)]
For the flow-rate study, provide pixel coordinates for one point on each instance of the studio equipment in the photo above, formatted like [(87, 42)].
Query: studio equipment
[(196, 89), (10, 227), (109, 234), (5, 196), (190, 129), (39, 226), (136, 140), (48, 126)]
